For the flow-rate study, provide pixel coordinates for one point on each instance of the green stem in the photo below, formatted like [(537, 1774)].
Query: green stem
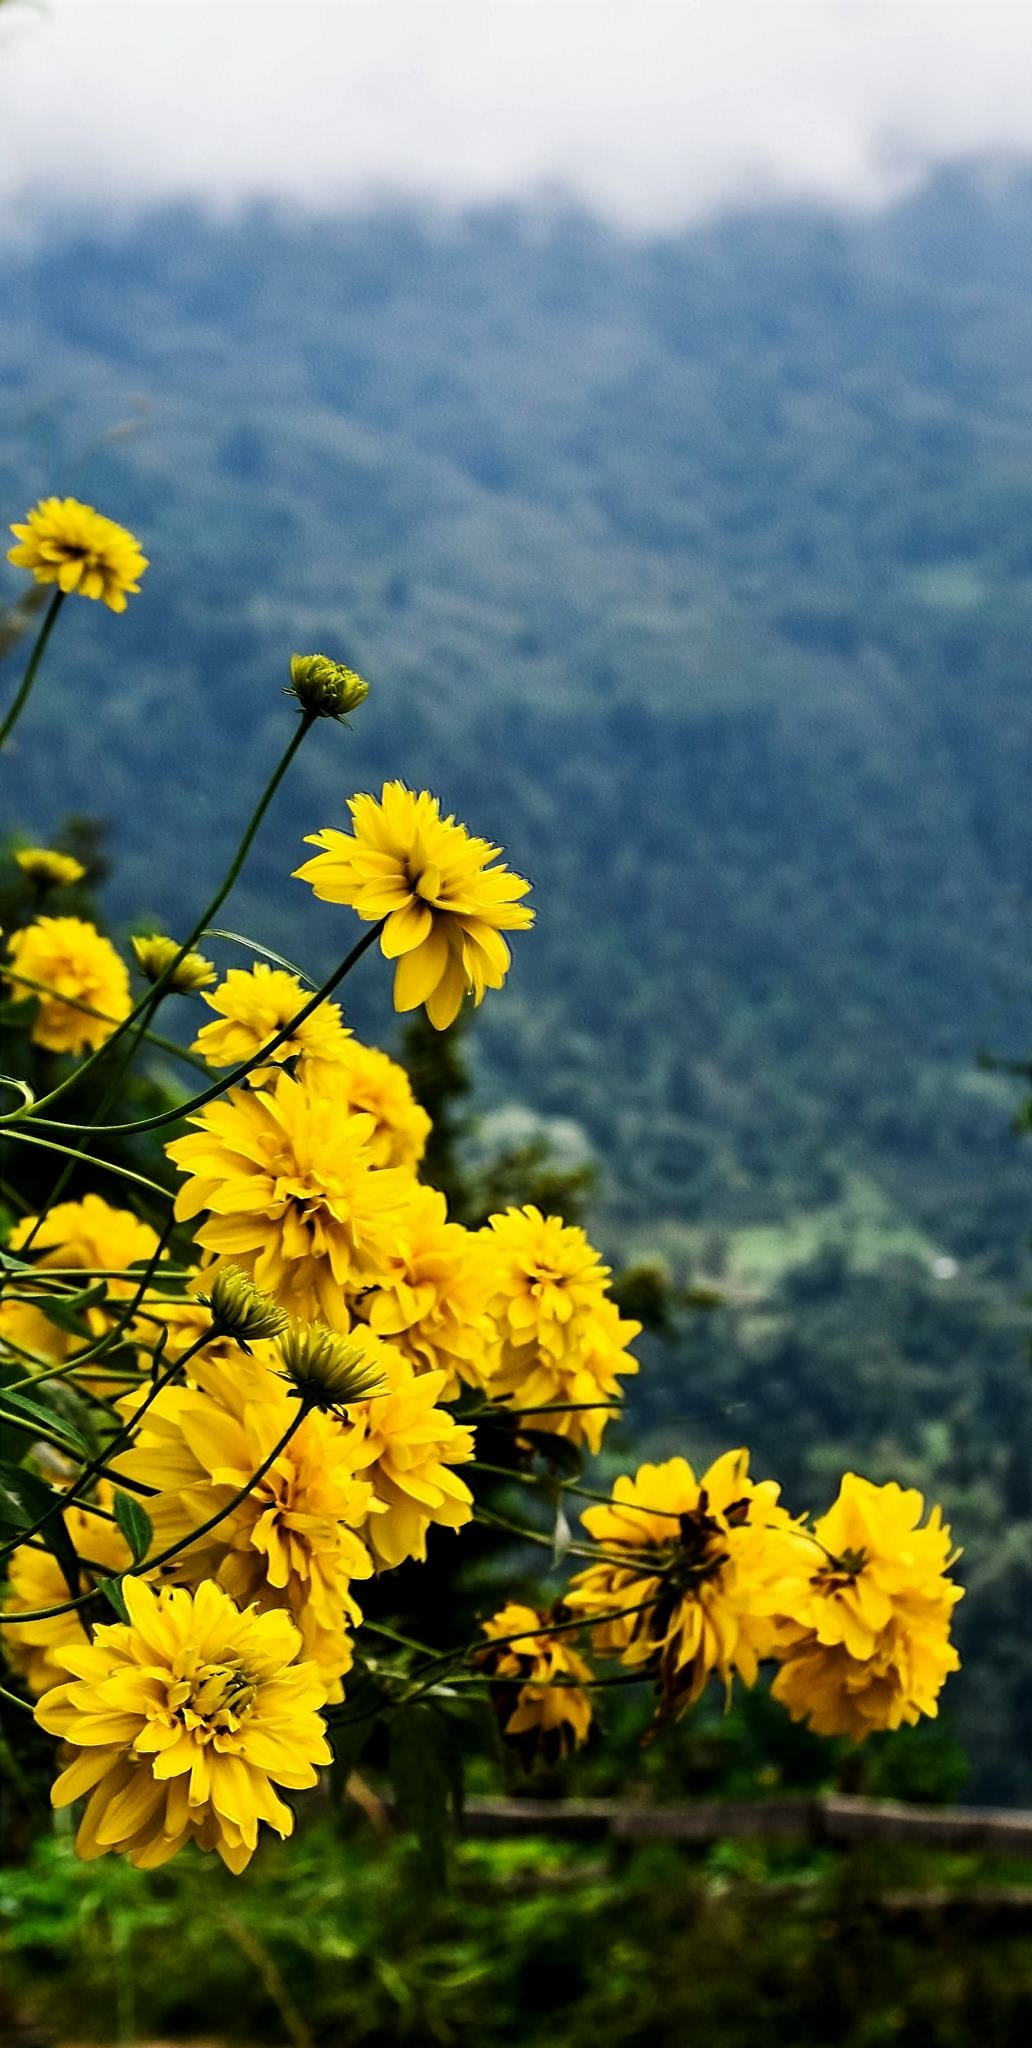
[(230, 1080), (140, 1180), (56, 995), (145, 1008), (150, 1564), (102, 1461), (22, 698)]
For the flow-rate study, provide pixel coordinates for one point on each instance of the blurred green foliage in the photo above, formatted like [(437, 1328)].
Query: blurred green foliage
[(335, 1937)]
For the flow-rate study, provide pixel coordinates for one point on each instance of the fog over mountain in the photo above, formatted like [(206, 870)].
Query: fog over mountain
[(653, 114)]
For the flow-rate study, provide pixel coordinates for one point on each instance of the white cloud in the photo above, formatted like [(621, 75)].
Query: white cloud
[(653, 110)]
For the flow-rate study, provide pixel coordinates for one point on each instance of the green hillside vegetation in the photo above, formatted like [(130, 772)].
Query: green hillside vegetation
[(698, 570)]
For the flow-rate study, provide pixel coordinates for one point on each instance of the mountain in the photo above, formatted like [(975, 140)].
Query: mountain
[(698, 572)]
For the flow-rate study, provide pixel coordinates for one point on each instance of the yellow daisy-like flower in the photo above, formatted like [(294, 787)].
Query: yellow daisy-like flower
[(292, 1542), (445, 898), (407, 1446), (695, 1559), (375, 1084), (432, 1303), (184, 1721), (48, 869), (77, 548), (286, 1175), (252, 1004), (87, 1236), (86, 983), (865, 1618), (537, 1684), (561, 1338), (35, 1581)]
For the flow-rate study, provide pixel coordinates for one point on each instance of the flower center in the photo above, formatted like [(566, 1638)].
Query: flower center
[(840, 1572), (212, 1696)]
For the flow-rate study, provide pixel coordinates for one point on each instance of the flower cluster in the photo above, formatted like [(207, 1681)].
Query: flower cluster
[(711, 1576), (562, 1345), (232, 1440), (865, 1629)]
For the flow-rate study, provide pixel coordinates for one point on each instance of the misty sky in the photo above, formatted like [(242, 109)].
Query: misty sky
[(651, 110)]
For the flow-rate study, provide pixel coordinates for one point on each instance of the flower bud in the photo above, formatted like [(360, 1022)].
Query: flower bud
[(47, 869), (325, 688), (157, 952), (326, 1370), (239, 1309)]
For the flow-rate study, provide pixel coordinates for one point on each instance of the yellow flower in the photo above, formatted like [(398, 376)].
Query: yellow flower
[(445, 900), (536, 1684), (184, 1720), (88, 983), (406, 1446), (156, 952), (696, 1559), (292, 1542), (254, 1003), (75, 547), (561, 1338), (36, 1580), (293, 1197), (865, 1619), (369, 1080), (87, 1236), (432, 1304), (49, 870)]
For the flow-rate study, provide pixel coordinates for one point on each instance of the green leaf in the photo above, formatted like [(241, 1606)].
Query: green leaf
[(135, 1524), (24, 1499), (66, 1309), (27, 1414), (423, 1775), (112, 1591), (266, 953)]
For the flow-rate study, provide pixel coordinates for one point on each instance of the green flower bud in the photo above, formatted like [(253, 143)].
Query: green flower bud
[(325, 688), (239, 1309), (156, 953), (326, 1370)]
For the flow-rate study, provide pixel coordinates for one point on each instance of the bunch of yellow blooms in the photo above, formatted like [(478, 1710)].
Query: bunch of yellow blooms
[(287, 1386)]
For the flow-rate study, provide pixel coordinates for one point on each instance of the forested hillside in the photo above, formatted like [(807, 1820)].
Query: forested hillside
[(698, 571)]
